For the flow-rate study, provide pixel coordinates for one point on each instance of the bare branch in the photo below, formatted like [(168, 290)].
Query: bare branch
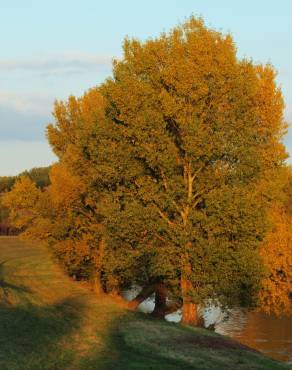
[(163, 215), (196, 173), (164, 180)]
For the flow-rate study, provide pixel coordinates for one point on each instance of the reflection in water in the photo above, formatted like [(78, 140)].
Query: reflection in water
[(268, 334)]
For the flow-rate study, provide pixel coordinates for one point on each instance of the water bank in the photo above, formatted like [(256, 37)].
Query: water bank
[(48, 322)]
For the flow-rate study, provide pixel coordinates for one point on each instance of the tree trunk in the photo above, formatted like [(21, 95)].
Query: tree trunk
[(189, 309), (96, 278), (190, 314), (96, 284), (160, 307), (144, 294)]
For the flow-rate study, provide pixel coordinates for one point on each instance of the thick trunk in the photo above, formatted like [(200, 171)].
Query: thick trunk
[(160, 307), (145, 293), (189, 309), (96, 284), (190, 314)]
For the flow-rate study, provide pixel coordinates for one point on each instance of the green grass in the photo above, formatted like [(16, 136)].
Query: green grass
[(48, 321)]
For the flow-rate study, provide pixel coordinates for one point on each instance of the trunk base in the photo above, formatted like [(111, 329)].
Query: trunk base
[(190, 314), (160, 307), (96, 284)]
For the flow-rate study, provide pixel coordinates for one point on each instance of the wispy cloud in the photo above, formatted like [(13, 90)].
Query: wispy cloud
[(26, 103), (16, 125), (24, 116), (59, 64)]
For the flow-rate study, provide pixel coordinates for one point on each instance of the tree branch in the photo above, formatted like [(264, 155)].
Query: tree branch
[(164, 216)]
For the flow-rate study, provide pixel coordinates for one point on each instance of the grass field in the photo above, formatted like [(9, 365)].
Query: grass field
[(48, 321)]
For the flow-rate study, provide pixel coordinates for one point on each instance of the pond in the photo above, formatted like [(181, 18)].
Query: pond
[(268, 334)]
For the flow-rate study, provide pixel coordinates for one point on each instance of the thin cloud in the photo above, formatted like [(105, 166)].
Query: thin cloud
[(24, 117), (60, 64), (26, 103), (15, 125)]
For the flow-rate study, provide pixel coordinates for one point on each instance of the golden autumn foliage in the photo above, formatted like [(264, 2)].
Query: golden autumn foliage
[(271, 123), (72, 254), (21, 201), (72, 137), (65, 188), (276, 252), (203, 131)]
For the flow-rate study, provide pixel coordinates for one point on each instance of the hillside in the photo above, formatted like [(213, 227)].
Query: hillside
[(48, 321)]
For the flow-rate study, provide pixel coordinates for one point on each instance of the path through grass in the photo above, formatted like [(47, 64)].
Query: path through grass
[(48, 321)]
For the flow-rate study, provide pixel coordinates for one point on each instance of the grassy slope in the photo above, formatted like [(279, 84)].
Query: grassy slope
[(49, 322)]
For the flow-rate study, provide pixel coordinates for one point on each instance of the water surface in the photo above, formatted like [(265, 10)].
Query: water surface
[(268, 334)]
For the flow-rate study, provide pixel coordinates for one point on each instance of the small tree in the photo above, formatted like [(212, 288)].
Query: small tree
[(21, 201), (78, 235)]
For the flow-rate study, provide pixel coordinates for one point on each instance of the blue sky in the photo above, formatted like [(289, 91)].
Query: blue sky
[(51, 49)]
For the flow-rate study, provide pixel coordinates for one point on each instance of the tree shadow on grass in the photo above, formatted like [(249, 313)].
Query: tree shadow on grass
[(31, 336), (125, 352), (6, 287), (85, 333), (45, 337), (137, 342)]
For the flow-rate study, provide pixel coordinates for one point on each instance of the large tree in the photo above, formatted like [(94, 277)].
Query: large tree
[(166, 172), (186, 147)]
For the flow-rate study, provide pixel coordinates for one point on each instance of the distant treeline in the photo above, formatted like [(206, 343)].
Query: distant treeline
[(39, 175)]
